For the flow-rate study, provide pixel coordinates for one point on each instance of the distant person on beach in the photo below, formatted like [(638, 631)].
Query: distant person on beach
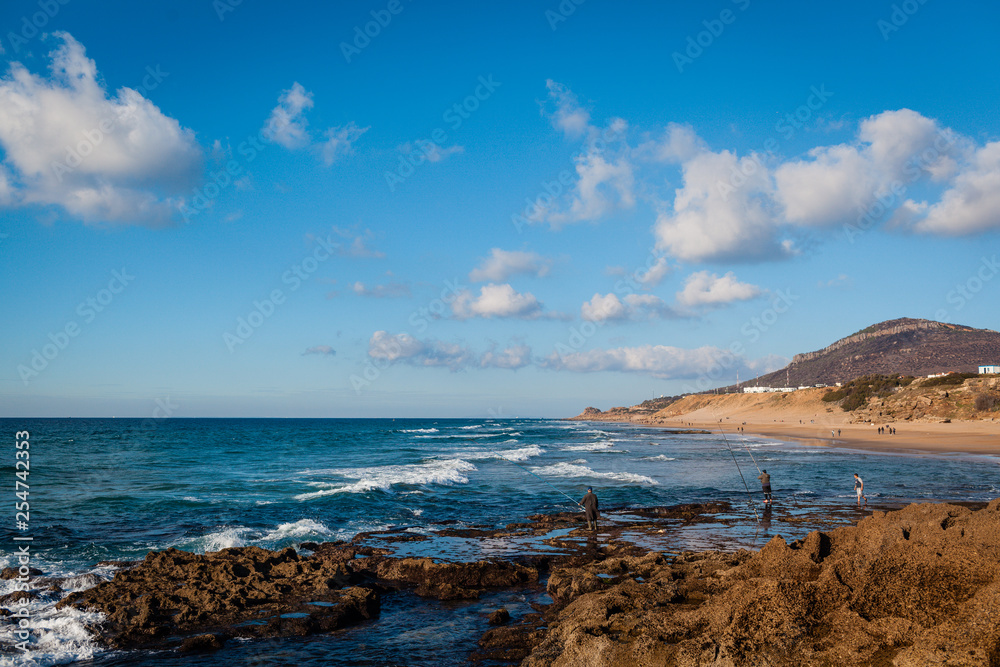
[(765, 485), (589, 503), (859, 488)]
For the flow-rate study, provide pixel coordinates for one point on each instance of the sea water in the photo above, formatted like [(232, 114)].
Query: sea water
[(114, 489)]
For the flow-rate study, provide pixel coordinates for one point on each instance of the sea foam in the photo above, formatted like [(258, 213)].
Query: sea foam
[(571, 470), (445, 472)]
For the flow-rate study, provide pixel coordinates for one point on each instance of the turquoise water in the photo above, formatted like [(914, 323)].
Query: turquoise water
[(111, 489)]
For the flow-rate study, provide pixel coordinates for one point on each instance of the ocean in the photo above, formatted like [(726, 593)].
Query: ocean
[(114, 489)]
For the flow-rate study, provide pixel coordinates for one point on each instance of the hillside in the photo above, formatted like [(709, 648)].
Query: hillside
[(905, 346), (976, 398), (908, 347)]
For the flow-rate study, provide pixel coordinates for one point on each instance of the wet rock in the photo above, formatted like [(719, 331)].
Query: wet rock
[(201, 644), (511, 643), (499, 617), (13, 573), (247, 591), (918, 586), (451, 581), (14, 599)]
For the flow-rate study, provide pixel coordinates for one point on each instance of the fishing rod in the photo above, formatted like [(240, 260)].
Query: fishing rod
[(743, 438), (731, 453), (542, 479)]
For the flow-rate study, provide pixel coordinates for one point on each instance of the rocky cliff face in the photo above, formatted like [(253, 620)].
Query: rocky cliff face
[(891, 329), (905, 346)]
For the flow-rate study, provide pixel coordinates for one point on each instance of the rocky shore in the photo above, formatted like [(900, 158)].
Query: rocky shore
[(916, 586)]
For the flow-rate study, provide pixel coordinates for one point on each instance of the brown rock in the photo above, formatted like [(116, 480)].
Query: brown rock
[(919, 586), (499, 617), (201, 643), (249, 591), (13, 573)]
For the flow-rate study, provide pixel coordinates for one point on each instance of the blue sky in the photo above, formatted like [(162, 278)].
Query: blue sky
[(444, 209)]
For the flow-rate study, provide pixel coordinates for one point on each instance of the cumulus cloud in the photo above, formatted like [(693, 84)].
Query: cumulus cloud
[(101, 158), (609, 308), (654, 274), (502, 264), (287, 124), (680, 143), (568, 116), (660, 361), (496, 301), (604, 173), (512, 357), (892, 150), (749, 207), (339, 142), (324, 350), (712, 220), (403, 348), (707, 289), (648, 276), (971, 205)]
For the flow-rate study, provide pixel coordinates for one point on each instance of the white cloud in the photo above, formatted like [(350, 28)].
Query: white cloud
[(501, 264), (655, 274), (340, 142), (388, 347), (513, 357), (605, 179), (324, 350), (496, 301), (609, 308), (836, 183), (67, 143), (287, 123), (569, 117), (389, 290), (750, 207), (602, 186), (707, 289), (403, 348), (660, 361), (711, 219), (603, 308), (680, 143), (7, 190), (972, 204), (898, 147)]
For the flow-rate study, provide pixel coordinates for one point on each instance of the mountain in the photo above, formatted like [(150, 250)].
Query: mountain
[(906, 346)]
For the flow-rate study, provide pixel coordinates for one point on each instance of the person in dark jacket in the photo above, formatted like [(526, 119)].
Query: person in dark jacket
[(589, 504)]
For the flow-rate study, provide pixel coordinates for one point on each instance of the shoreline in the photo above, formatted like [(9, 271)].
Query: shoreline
[(959, 437)]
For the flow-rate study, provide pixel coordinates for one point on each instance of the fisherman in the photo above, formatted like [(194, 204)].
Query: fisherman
[(765, 484), (859, 488), (589, 504)]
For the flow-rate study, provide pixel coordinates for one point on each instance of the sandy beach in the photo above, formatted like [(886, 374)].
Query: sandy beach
[(802, 416), (967, 437)]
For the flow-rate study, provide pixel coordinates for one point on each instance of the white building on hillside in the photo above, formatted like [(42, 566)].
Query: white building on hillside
[(766, 390), (989, 370)]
